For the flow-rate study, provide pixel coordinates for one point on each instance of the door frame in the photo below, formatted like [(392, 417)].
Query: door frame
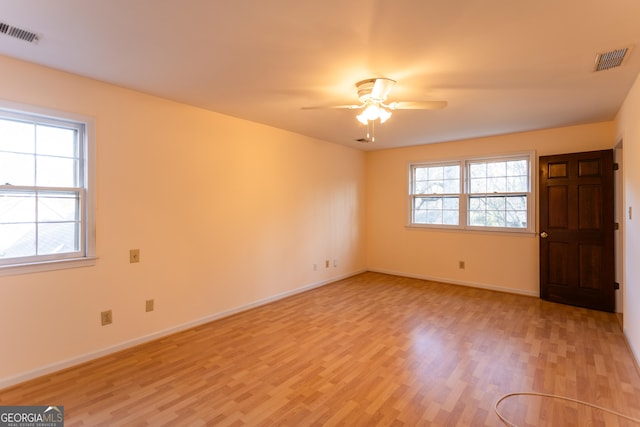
[(619, 216)]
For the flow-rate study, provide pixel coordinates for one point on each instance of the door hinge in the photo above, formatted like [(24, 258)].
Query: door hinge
[(616, 285), (616, 166), (616, 226)]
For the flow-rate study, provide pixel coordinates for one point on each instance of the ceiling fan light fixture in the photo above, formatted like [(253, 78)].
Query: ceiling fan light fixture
[(372, 112), (384, 115), (362, 119)]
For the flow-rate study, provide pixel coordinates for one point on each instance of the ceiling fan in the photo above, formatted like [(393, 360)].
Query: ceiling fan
[(373, 94)]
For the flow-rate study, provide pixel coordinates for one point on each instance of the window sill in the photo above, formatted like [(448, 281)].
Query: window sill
[(37, 267), (490, 232)]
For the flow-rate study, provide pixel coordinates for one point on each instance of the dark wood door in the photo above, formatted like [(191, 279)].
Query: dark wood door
[(577, 264)]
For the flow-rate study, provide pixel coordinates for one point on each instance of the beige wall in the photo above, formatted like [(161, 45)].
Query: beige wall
[(494, 261), (226, 213), (628, 131)]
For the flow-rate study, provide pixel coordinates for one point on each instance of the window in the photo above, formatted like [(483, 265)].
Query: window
[(489, 194), (436, 194), (46, 208)]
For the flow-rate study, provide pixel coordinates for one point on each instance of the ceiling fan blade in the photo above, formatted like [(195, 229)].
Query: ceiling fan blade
[(381, 88), (332, 107), (418, 105)]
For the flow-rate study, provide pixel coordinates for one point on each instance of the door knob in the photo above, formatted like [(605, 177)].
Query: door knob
[(544, 235)]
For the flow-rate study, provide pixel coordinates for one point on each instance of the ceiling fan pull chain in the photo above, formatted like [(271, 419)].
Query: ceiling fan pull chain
[(372, 123)]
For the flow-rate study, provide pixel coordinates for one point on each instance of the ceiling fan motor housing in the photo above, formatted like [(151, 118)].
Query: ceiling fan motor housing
[(375, 90)]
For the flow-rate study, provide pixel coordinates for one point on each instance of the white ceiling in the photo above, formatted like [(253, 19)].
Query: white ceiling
[(503, 65)]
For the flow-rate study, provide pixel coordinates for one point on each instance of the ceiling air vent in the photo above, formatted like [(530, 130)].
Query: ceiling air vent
[(611, 59), (19, 33)]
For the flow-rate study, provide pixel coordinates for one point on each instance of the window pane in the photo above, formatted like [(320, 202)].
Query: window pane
[(434, 217), (58, 238), (495, 203), (496, 185), (420, 216), (58, 207), (436, 173), (57, 172), (450, 217), (495, 219), (517, 219), (452, 186), (436, 210), (477, 203), (436, 180), (517, 203), (517, 184), (56, 141), (499, 177), (478, 185), (496, 169), (435, 187), (420, 210), (17, 137), (477, 218), (451, 203), (518, 168), (17, 169), (17, 240), (17, 207), (434, 203), (452, 172), (420, 187), (421, 174), (498, 211), (477, 170)]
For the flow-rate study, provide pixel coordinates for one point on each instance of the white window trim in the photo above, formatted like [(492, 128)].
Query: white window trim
[(89, 231), (464, 195)]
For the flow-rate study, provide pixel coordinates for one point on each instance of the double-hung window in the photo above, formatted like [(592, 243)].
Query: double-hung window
[(480, 193), (436, 193), (45, 205)]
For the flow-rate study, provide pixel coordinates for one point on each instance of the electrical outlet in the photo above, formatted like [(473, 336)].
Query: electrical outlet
[(326, 264), (335, 262), (134, 255), (149, 305), (461, 265), (106, 317)]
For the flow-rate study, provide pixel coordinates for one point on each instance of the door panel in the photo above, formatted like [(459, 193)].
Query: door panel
[(558, 263), (558, 197), (576, 229), (590, 266), (590, 206)]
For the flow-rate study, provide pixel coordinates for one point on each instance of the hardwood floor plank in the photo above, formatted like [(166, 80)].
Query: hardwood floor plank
[(373, 349)]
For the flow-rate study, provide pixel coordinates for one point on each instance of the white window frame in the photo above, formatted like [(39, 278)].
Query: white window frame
[(465, 195), (87, 254), (413, 196)]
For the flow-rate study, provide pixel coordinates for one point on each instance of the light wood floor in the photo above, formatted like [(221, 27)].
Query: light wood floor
[(370, 350)]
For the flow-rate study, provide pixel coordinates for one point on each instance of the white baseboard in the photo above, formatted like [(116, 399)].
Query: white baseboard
[(58, 366), (458, 282)]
